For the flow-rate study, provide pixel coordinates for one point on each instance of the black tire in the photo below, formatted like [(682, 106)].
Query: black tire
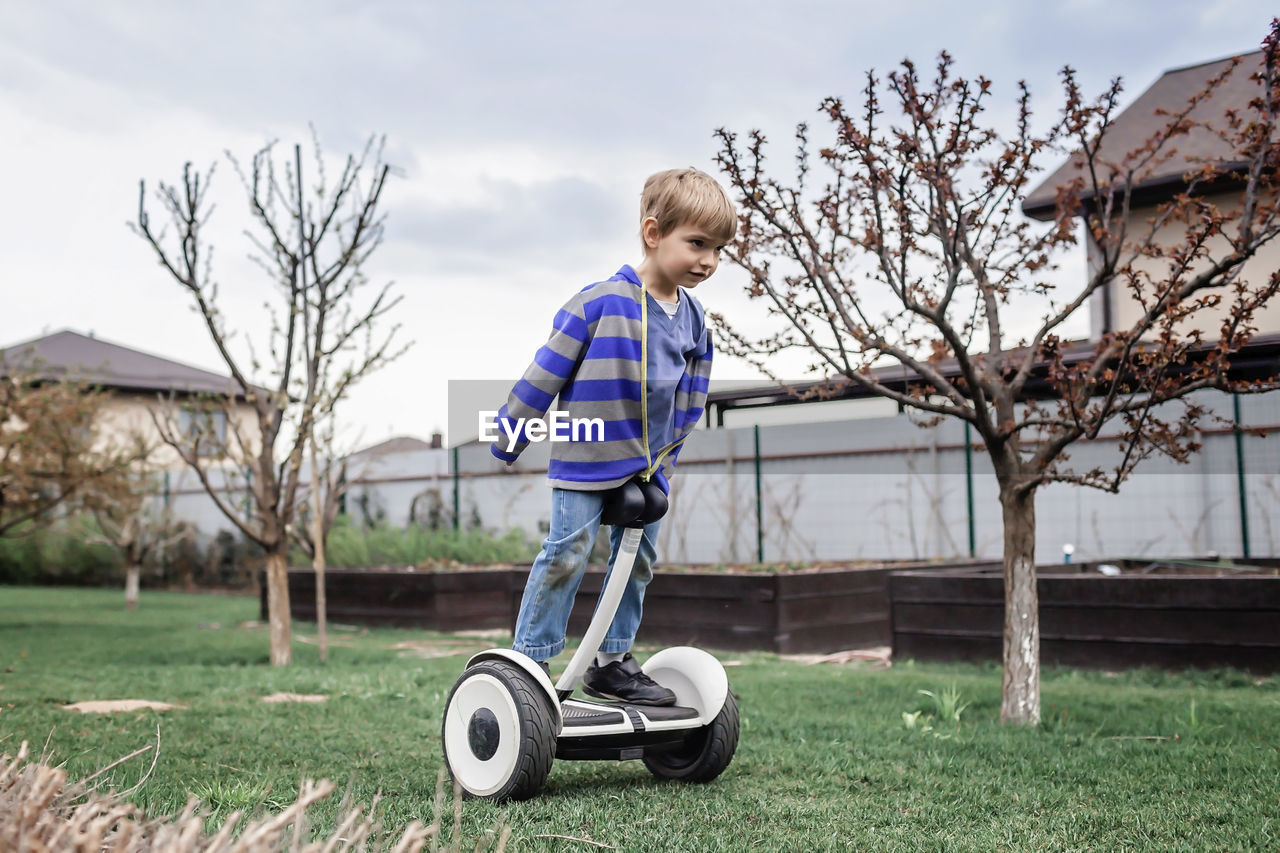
[(707, 751), (524, 762)]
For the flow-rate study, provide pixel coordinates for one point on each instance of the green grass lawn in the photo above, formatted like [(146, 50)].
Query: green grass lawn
[(1139, 761)]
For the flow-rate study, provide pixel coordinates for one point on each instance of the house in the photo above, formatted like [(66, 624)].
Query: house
[(1115, 308), (137, 384)]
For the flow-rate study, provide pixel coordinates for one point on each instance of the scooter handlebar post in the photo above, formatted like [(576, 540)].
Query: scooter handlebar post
[(616, 584)]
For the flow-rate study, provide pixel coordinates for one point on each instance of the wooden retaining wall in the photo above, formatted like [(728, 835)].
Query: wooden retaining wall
[(1170, 617), (821, 610), (1155, 615), (818, 611), (440, 601)]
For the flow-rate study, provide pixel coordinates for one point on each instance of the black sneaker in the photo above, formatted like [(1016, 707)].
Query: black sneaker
[(623, 680)]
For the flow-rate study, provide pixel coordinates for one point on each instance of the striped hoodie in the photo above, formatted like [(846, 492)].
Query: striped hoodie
[(594, 362)]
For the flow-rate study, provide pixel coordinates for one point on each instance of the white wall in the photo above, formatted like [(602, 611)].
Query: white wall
[(875, 488)]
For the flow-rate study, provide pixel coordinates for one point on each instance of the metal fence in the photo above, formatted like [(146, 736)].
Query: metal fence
[(863, 489)]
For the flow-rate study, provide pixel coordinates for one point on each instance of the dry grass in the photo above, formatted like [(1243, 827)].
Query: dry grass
[(41, 811)]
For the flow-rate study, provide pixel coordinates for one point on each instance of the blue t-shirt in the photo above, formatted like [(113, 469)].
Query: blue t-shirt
[(671, 340)]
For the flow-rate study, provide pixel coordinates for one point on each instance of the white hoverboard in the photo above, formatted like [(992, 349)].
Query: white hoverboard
[(505, 721)]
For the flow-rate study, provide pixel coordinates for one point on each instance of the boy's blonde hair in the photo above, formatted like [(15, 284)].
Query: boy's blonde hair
[(688, 197)]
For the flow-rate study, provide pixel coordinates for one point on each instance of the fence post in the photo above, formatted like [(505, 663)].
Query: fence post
[(968, 485), (759, 501), (456, 519), (1240, 487)]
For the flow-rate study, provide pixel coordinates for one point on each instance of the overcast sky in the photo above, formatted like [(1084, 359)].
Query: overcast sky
[(521, 133)]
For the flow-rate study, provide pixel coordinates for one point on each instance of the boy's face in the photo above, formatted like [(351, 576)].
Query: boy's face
[(686, 256)]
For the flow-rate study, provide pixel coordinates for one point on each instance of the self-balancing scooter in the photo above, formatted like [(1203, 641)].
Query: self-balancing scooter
[(505, 721)]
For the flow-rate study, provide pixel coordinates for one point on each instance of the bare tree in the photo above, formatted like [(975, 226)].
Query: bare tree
[(327, 483), (51, 454), (135, 522), (914, 252), (312, 240)]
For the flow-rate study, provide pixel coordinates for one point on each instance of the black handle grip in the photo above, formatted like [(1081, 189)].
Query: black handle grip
[(634, 504)]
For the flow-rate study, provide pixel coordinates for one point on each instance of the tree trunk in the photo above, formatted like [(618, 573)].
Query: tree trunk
[(317, 558), (278, 608), (317, 561), (132, 576), (1020, 693)]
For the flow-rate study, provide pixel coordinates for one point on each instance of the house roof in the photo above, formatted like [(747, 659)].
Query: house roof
[(68, 354), (398, 444), (1140, 120)]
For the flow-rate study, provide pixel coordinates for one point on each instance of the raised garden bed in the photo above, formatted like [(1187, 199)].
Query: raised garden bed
[(811, 610), (1167, 613), (450, 600), (820, 610)]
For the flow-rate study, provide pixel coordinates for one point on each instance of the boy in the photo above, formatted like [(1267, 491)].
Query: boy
[(595, 360)]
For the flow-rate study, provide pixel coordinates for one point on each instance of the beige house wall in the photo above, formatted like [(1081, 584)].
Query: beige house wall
[(1126, 311), (125, 416)]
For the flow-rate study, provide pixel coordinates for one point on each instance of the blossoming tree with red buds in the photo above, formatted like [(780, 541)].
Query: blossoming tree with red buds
[(913, 250)]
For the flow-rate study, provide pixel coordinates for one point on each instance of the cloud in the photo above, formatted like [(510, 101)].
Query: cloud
[(507, 223), (521, 133)]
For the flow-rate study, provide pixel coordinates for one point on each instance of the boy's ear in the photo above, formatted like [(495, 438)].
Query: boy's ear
[(649, 232)]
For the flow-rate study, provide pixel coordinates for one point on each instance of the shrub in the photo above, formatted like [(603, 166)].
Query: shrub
[(354, 546), (64, 553), (68, 553), (71, 552)]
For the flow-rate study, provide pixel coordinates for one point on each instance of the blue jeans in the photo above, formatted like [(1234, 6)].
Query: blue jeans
[(558, 570)]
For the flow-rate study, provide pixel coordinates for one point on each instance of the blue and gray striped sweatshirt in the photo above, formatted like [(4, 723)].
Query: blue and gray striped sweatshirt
[(593, 361)]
